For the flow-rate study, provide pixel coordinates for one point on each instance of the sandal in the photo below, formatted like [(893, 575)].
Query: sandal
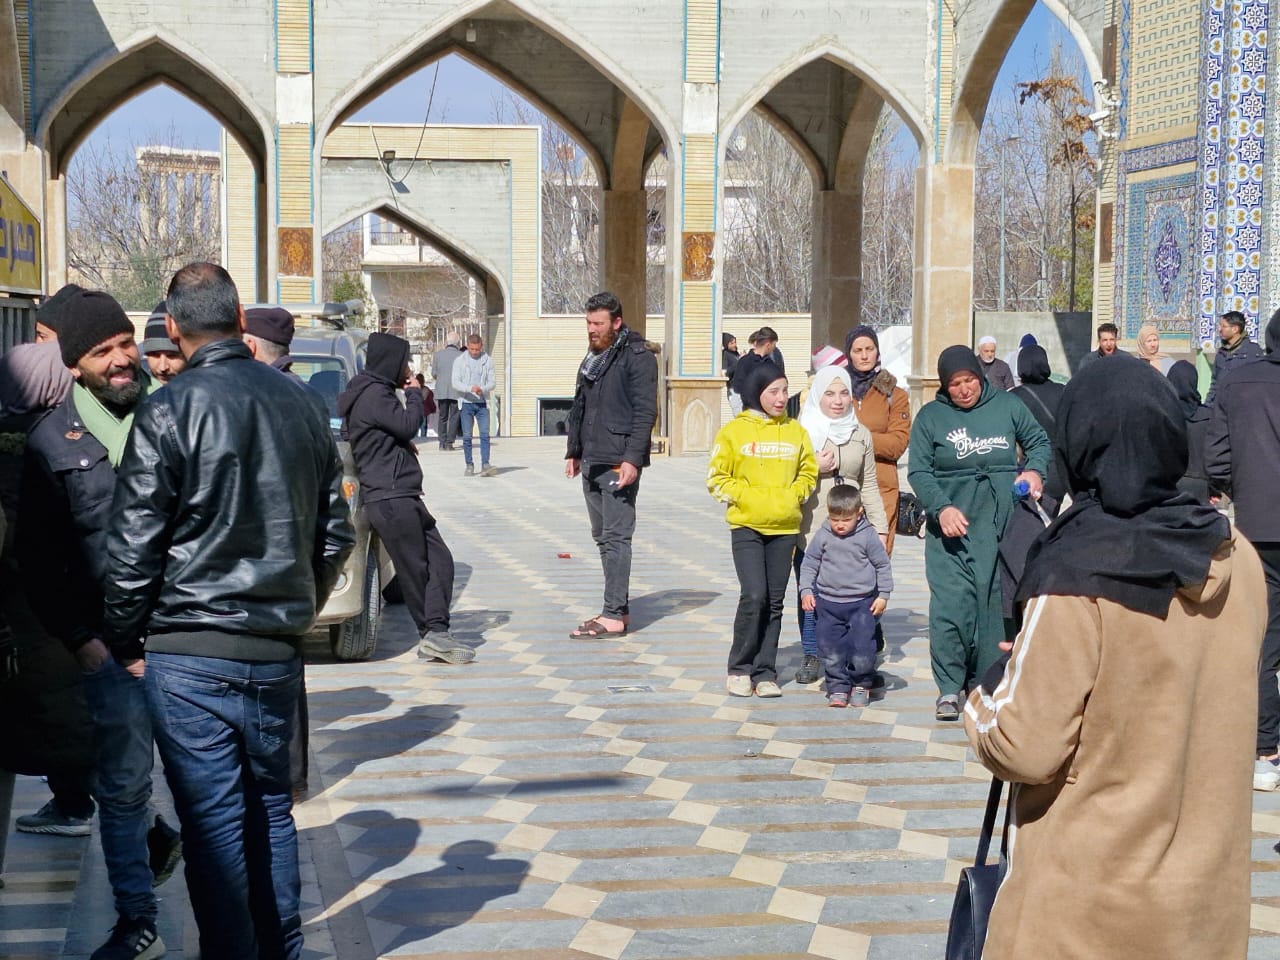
[(593, 629)]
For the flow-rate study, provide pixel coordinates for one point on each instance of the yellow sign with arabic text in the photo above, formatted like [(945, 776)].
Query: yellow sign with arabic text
[(19, 244)]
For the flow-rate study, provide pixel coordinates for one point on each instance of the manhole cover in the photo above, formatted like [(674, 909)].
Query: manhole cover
[(629, 688)]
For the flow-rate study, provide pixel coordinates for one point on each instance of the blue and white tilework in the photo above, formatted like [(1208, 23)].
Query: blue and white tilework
[(1160, 266), (1232, 155)]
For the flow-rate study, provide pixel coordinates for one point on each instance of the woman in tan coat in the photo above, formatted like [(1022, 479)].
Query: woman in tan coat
[(882, 407), (1126, 715), (846, 454)]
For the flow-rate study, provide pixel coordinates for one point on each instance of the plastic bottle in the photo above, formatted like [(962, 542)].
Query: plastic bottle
[(1022, 490)]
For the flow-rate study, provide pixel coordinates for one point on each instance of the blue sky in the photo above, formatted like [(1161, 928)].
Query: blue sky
[(465, 94)]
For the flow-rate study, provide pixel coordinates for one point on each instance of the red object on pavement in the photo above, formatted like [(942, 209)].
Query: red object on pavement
[(564, 556)]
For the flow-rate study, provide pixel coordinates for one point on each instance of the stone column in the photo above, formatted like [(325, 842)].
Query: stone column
[(625, 221), (296, 269), (55, 234), (942, 302), (837, 266)]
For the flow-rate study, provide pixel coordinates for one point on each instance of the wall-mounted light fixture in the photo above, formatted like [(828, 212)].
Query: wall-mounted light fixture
[(388, 158), (471, 31)]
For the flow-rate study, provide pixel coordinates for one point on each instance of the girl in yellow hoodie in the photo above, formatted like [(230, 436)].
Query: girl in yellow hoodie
[(762, 466)]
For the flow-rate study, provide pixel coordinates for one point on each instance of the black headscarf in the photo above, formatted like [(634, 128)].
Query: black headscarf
[(1185, 381), (387, 357), (1130, 535), (1033, 364), (860, 380), (1272, 337), (757, 378), (951, 361)]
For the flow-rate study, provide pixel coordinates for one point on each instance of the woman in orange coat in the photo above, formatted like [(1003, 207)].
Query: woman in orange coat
[(882, 407)]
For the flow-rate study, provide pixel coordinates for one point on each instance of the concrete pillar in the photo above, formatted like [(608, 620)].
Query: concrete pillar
[(55, 234), (836, 303), (942, 302), (625, 220)]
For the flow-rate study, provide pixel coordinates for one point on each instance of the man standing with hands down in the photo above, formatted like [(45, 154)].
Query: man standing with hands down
[(614, 408), (228, 533)]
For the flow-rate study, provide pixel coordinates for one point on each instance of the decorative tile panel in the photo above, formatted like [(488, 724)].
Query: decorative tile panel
[(1232, 159), (1160, 269)]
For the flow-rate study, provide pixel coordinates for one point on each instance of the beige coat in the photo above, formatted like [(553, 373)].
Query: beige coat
[(856, 464), (1132, 741)]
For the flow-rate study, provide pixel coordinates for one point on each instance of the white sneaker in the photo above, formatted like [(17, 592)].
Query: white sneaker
[(738, 685), (1266, 776), (767, 688)]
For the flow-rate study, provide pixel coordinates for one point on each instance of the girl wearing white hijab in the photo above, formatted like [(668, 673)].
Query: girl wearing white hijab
[(846, 454)]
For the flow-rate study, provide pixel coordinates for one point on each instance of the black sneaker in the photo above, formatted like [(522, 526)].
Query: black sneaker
[(164, 851), (50, 820), (131, 940), (810, 670)]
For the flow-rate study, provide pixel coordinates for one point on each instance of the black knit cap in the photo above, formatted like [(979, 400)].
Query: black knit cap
[(88, 318), (51, 311), (270, 323)]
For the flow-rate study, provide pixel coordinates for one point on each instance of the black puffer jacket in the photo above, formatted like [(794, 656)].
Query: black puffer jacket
[(612, 418), (67, 485), (380, 429), (228, 518)]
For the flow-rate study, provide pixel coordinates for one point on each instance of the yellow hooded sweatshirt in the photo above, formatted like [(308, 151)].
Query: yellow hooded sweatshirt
[(764, 469)]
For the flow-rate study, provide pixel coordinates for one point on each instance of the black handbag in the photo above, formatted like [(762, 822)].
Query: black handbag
[(911, 516), (976, 893)]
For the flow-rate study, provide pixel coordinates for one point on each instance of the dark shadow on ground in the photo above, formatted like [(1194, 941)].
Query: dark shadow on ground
[(652, 607), (376, 740), (425, 904)]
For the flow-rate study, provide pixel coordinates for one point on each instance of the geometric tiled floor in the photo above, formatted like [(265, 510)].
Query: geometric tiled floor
[(563, 799)]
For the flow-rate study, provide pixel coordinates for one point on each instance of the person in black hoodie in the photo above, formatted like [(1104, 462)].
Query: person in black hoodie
[(1042, 396), (729, 357), (1242, 458), (1183, 378), (381, 431)]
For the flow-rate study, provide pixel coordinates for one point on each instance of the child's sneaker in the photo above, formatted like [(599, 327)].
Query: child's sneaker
[(838, 700), (860, 697)]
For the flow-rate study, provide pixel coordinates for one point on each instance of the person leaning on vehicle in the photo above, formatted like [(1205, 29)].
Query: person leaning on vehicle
[(381, 431)]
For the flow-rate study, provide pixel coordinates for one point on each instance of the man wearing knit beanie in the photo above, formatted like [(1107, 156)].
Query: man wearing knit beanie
[(68, 485), (164, 362), (49, 315)]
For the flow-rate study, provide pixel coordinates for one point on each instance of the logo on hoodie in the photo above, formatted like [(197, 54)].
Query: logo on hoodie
[(770, 450), (966, 447)]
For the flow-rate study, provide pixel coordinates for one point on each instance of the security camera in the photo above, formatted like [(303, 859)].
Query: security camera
[(1098, 116)]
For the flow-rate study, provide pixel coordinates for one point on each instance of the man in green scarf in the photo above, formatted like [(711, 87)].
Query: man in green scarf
[(68, 483)]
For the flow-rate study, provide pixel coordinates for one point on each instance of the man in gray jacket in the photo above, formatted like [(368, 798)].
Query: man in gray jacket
[(474, 380), (446, 396)]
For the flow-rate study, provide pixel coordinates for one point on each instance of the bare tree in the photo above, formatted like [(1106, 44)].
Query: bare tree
[(340, 253), (888, 225), (1038, 147), (768, 223), (136, 215)]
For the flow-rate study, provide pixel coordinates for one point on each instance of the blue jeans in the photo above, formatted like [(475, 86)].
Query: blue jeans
[(469, 413), (223, 729), (847, 643), (122, 783)]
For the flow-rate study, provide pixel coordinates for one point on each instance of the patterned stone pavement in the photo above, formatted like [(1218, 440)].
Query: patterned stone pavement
[(600, 799)]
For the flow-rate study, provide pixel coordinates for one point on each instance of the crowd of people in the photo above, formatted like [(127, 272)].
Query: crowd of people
[(175, 531)]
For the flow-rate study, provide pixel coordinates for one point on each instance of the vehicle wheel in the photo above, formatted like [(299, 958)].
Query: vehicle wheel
[(356, 638)]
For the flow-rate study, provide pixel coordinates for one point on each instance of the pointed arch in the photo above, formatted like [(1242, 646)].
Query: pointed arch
[(974, 89), (407, 57), (461, 253), (146, 59), (841, 58)]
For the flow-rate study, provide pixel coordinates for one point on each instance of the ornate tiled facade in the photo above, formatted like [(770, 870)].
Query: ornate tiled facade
[(1189, 246)]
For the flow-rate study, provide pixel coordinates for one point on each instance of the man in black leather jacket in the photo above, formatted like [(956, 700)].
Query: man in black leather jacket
[(610, 427), (69, 477), (228, 532)]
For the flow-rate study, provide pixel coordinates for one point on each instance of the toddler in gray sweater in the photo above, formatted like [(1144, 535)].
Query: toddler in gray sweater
[(846, 579)]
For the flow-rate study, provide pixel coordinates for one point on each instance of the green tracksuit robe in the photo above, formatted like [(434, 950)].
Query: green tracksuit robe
[(969, 459)]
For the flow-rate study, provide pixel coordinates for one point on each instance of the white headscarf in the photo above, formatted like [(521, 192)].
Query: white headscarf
[(821, 427)]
